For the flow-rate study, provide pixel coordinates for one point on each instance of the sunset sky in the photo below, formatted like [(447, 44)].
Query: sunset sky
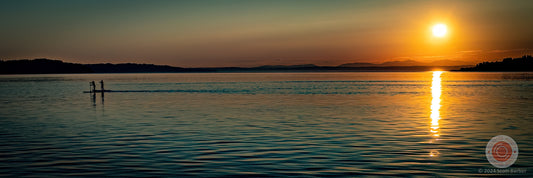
[(252, 33)]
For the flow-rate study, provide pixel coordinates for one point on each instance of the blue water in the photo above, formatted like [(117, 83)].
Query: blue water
[(261, 124)]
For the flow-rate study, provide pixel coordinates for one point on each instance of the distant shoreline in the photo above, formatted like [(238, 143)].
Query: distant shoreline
[(522, 64), (48, 66)]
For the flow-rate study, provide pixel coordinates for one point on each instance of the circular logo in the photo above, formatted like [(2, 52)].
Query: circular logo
[(501, 151)]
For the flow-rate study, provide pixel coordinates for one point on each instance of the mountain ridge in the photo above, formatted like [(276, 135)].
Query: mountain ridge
[(50, 66), (408, 62)]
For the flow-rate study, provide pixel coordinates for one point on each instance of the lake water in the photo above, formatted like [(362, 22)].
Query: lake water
[(263, 124)]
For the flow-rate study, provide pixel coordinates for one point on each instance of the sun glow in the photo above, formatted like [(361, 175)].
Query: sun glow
[(440, 30), (435, 103)]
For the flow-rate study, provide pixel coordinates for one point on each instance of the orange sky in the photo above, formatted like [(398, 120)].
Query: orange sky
[(253, 33)]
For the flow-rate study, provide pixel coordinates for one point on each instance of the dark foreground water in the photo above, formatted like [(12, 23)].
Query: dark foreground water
[(257, 124)]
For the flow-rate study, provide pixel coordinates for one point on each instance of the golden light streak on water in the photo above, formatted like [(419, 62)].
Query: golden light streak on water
[(435, 103), (436, 91)]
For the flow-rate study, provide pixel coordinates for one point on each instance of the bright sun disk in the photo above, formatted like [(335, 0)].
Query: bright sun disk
[(440, 30)]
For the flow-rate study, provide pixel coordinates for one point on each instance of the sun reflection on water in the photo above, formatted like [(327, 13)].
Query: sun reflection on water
[(435, 103), (435, 110)]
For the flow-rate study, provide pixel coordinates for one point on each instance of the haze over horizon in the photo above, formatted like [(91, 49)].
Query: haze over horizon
[(254, 33)]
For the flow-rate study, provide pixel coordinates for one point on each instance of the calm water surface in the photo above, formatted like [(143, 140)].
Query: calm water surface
[(259, 124)]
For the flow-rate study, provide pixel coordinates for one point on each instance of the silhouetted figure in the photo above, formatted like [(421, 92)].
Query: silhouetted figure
[(102, 85), (93, 86)]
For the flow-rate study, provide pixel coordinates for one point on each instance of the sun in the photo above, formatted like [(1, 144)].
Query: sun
[(440, 30)]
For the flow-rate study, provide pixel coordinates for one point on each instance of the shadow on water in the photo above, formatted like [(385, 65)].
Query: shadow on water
[(93, 98)]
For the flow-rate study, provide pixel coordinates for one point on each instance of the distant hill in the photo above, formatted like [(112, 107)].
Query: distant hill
[(409, 63), (359, 64), (138, 68), (41, 66), (403, 63), (48, 66), (285, 67), (525, 63)]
